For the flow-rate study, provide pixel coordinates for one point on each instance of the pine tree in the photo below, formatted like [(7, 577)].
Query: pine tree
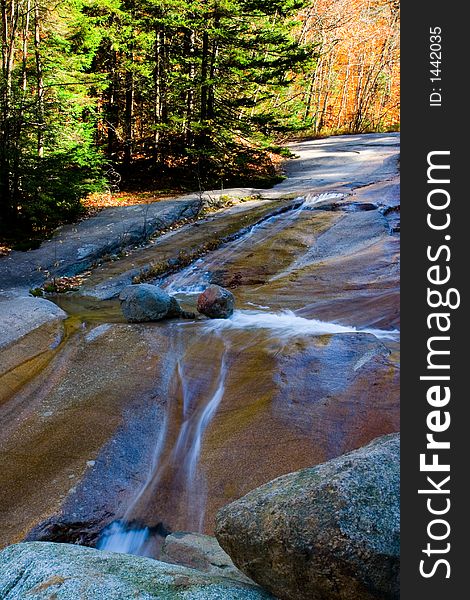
[(48, 159)]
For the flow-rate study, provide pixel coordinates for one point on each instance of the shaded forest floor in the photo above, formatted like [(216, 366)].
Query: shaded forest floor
[(140, 184)]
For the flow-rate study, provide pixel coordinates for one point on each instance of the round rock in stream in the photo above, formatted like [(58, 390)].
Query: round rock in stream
[(330, 532), (216, 302), (145, 302)]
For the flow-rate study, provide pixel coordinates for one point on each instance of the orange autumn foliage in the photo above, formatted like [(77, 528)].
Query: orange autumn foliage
[(355, 85)]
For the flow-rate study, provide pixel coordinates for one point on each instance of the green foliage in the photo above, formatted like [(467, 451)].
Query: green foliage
[(48, 154), (56, 183), (187, 89)]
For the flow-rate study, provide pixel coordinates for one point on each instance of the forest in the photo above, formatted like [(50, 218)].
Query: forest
[(100, 95)]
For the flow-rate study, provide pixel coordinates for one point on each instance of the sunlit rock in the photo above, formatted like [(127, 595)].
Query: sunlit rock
[(330, 532), (201, 552), (216, 302)]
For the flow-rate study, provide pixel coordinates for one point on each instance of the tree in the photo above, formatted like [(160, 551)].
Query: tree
[(189, 90), (355, 84), (47, 158), (189, 80)]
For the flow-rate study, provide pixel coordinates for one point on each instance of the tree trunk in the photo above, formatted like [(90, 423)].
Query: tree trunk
[(19, 117), (212, 72), (189, 52), (112, 115), (157, 81), (204, 74), (8, 204), (129, 116), (39, 80)]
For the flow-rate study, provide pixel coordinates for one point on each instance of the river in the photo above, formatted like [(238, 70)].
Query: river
[(132, 431)]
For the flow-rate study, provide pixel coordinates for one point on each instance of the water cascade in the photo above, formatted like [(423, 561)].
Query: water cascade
[(202, 353)]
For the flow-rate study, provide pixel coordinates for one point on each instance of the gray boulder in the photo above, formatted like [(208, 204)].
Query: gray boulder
[(201, 552), (216, 302), (145, 302), (43, 570), (330, 532)]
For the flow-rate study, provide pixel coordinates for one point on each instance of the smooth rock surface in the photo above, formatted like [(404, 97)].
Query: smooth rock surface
[(76, 247), (28, 327), (145, 302), (77, 441), (216, 302), (201, 552), (43, 570), (290, 399), (20, 316), (330, 532)]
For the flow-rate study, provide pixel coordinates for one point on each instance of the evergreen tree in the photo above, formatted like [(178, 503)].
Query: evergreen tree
[(191, 80), (48, 158)]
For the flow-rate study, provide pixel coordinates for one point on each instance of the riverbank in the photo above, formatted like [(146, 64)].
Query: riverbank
[(363, 160)]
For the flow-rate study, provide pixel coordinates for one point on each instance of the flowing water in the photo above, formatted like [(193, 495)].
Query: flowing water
[(174, 476), (162, 424), (194, 279)]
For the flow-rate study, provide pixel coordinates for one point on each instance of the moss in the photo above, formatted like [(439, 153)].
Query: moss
[(37, 292)]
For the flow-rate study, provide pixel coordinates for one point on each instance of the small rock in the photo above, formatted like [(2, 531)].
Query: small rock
[(188, 315), (145, 302), (201, 552), (330, 532), (216, 302)]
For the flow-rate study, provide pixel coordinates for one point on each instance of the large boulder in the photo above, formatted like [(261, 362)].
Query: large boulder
[(216, 302), (40, 570), (201, 552), (145, 302), (330, 532)]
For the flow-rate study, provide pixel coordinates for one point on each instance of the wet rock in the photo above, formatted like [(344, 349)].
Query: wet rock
[(145, 302), (76, 247), (201, 552), (392, 214), (174, 309), (28, 327), (216, 302), (84, 533), (357, 206), (187, 314), (330, 532), (63, 571), (239, 278), (21, 315)]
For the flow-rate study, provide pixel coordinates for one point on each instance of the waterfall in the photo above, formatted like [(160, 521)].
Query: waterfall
[(198, 409), (174, 475)]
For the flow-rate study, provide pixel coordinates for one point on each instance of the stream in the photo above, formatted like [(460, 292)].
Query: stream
[(175, 484), (131, 431)]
